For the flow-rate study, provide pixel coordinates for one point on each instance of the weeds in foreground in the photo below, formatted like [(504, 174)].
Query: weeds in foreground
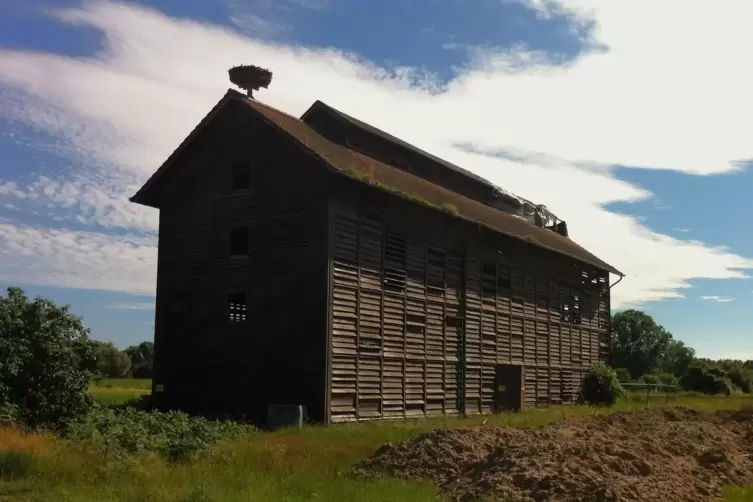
[(308, 464)]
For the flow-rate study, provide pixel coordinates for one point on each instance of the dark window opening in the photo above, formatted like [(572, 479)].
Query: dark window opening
[(239, 241), (237, 308), (241, 176)]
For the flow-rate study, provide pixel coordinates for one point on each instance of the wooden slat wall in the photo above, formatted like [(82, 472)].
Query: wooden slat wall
[(395, 354), (417, 330)]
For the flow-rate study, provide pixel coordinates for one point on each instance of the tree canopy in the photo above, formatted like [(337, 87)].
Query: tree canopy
[(47, 361)]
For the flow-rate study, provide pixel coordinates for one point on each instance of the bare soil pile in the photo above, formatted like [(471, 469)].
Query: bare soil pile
[(673, 454)]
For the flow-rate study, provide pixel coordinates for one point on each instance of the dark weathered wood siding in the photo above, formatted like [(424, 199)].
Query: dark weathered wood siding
[(206, 362), (425, 306)]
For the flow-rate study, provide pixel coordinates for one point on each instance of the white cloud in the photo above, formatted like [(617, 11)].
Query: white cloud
[(719, 299), (131, 306), (70, 259), (674, 102)]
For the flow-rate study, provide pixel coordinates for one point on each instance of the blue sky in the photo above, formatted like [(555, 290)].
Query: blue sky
[(637, 139)]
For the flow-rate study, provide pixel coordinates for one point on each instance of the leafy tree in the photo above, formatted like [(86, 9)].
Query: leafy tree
[(639, 344), (111, 362), (740, 376), (142, 359), (677, 358), (707, 378), (46, 360)]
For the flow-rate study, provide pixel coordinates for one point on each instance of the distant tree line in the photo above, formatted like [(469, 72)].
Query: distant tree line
[(643, 351), (135, 361)]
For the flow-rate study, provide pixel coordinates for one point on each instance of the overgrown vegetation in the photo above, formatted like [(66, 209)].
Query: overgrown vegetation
[(121, 450), (47, 361), (173, 435)]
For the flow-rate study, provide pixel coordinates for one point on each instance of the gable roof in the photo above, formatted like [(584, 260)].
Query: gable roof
[(401, 183), (322, 107)]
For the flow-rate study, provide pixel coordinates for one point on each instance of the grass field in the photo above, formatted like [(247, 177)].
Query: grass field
[(288, 465), (113, 391)]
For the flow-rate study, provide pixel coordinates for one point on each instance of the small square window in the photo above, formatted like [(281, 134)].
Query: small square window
[(239, 241), (241, 176), (237, 307)]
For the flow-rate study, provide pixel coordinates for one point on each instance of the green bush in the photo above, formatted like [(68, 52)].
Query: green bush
[(623, 374), (46, 361), (708, 379), (173, 435), (656, 379), (601, 385)]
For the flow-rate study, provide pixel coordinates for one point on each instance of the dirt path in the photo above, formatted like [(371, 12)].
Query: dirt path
[(674, 454)]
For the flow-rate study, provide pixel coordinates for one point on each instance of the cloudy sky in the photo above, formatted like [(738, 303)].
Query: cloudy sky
[(627, 119)]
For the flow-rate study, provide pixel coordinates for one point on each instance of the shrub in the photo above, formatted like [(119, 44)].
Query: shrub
[(656, 379), (173, 435), (702, 377), (601, 385), (623, 374), (46, 362)]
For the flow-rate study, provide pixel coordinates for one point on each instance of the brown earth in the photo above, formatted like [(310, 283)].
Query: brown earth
[(673, 454)]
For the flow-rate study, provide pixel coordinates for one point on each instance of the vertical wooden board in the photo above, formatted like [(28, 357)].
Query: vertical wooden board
[(575, 351), (503, 338), (555, 385), (529, 294), (566, 385), (542, 386), (473, 388), (343, 389), (516, 340), (394, 325), (530, 386), (453, 387), (393, 399), (489, 336), (542, 342), (435, 387), (488, 379), (415, 387), (369, 387), (554, 344), (529, 341), (566, 347)]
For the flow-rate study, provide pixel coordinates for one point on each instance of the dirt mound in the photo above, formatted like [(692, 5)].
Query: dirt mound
[(673, 454)]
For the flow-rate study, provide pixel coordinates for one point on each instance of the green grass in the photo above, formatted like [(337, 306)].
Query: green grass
[(115, 391), (287, 465), (735, 494), (125, 383)]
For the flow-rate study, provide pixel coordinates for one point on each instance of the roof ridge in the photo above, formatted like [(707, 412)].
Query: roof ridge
[(254, 102)]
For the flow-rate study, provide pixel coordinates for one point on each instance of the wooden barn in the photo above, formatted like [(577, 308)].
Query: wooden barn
[(320, 261)]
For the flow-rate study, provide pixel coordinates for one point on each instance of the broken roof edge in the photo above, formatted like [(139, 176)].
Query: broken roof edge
[(408, 195)]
